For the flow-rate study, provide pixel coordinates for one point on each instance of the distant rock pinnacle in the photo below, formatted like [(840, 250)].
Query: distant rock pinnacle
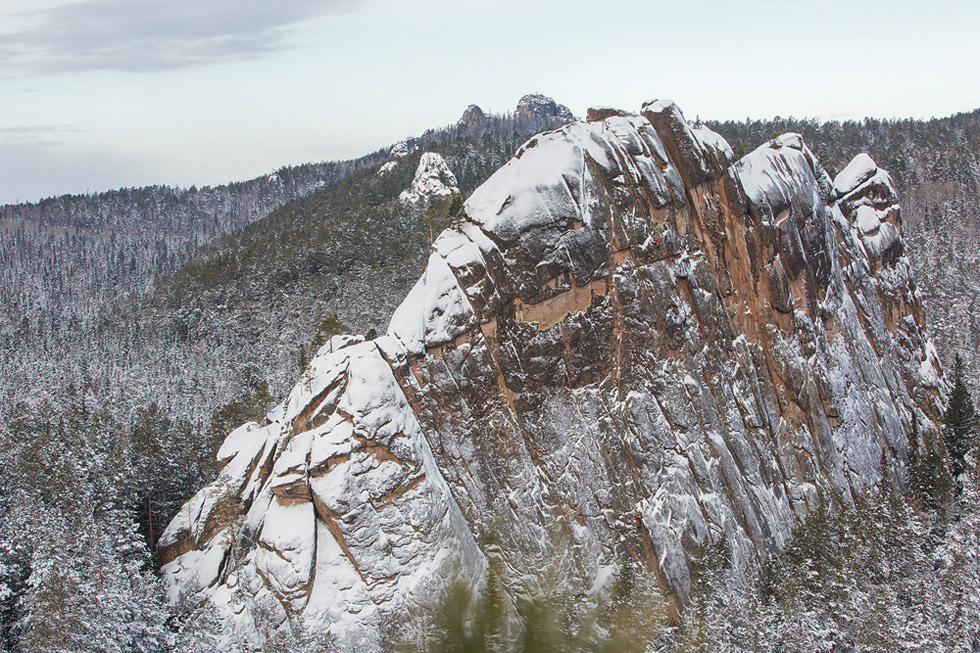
[(537, 105)]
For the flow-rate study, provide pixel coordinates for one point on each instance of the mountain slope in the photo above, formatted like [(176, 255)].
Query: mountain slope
[(632, 347)]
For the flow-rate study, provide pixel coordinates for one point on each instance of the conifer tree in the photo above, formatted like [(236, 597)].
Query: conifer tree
[(962, 424), (325, 330), (932, 482)]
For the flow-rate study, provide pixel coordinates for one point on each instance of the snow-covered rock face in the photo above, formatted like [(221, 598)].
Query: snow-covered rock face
[(866, 194), (433, 179), (630, 325), (387, 167), (334, 508)]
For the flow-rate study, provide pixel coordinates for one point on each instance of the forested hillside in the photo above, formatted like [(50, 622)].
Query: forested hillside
[(64, 260)]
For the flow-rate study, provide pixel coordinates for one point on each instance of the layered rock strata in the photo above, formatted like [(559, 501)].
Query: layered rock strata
[(629, 324)]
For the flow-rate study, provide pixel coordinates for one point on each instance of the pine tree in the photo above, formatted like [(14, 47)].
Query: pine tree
[(302, 359), (932, 482), (962, 423), (457, 213), (325, 330)]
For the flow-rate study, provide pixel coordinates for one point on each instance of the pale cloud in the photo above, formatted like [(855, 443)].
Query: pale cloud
[(153, 35)]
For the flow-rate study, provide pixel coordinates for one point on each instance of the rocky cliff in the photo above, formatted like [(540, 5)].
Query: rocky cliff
[(632, 346), (472, 120), (536, 105)]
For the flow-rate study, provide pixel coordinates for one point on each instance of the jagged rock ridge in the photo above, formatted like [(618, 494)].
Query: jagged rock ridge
[(629, 323)]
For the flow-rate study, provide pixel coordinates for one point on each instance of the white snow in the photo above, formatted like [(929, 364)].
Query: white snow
[(544, 184), (878, 243), (402, 149), (859, 170), (246, 435), (712, 139), (286, 547), (773, 173), (929, 368), (446, 312), (657, 106), (867, 219), (435, 311), (408, 321)]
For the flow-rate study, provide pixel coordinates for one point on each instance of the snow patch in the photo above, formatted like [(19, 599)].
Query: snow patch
[(859, 170)]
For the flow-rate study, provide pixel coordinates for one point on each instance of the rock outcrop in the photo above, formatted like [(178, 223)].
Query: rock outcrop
[(629, 324), (403, 148), (535, 105), (433, 179), (596, 114), (473, 120)]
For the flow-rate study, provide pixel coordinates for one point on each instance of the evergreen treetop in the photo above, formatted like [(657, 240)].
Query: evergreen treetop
[(962, 424)]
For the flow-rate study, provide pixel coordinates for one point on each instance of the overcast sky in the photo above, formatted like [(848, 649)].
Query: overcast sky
[(98, 94)]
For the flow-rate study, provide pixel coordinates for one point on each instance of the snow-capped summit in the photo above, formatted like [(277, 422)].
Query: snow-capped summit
[(633, 347)]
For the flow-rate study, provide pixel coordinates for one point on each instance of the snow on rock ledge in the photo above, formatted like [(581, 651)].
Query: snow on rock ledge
[(629, 325), (867, 197), (858, 171), (403, 148)]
